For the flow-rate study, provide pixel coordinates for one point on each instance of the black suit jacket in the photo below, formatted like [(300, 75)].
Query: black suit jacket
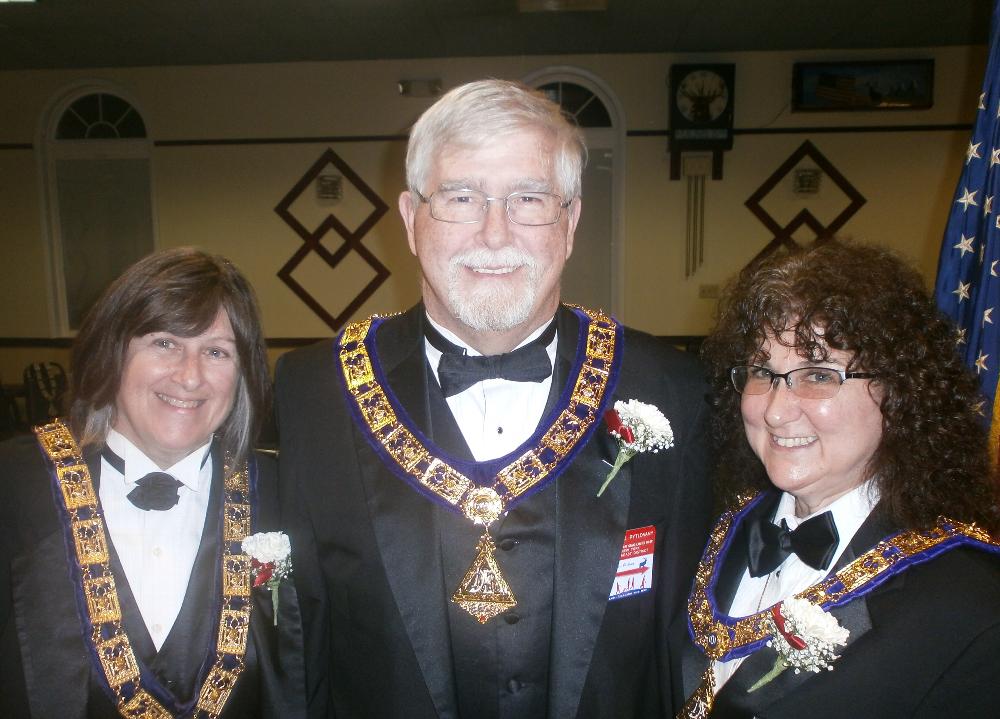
[(45, 669), (366, 544), (924, 644)]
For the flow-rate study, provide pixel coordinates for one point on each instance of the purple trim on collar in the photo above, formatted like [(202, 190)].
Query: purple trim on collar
[(900, 565), (147, 679), (484, 473)]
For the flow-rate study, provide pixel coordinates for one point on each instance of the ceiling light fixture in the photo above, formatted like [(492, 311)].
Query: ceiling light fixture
[(561, 5)]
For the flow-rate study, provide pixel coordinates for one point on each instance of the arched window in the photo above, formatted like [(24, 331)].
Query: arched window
[(100, 116), (579, 103), (96, 165), (593, 275)]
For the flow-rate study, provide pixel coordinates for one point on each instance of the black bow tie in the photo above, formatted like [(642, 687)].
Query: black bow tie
[(457, 371), (814, 541), (157, 490)]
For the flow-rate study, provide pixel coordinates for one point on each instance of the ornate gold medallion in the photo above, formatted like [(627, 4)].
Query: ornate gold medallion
[(699, 704), (482, 505), (484, 592)]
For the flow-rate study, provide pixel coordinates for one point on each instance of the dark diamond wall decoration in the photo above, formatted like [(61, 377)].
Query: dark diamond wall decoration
[(783, 234), (312, 238)]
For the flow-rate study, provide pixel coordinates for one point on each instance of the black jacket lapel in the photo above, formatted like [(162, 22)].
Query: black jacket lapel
[(278, 645), (589, 535), (732, 570), (693, 661), (405, 522), (568, 330), (56, 663), (590, 531)]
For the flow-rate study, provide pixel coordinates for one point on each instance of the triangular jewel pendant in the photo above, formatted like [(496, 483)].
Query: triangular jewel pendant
[(484, 592)]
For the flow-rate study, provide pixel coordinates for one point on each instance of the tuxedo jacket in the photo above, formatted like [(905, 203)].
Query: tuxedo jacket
[(45, 666), (926, 643), (366, 544)]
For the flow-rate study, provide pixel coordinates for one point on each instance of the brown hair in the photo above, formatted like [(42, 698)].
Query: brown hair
[(933, 457), (178, 291)]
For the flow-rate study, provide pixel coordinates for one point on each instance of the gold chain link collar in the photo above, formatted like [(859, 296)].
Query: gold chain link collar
[(716, 637), (484, 591), (107, 638)]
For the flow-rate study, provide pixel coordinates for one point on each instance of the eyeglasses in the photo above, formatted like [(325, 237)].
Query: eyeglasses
[(805, 382), (467, 207)]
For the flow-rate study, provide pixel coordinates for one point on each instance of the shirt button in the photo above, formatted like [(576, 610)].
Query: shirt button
[(157, 628), (499, 430), (157, 551), (511, 618), (507, 544), (514, 686)]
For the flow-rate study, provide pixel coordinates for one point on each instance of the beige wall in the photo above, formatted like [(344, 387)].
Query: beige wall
[(222, 197)]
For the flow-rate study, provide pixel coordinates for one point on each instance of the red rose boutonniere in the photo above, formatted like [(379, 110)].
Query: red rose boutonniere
[(804, 636), (270, 561), (638, 427)]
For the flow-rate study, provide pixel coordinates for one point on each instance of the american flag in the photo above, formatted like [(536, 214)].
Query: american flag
[(968, 280)]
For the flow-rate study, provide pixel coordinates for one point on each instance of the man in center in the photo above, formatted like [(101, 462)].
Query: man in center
[(440, 468)]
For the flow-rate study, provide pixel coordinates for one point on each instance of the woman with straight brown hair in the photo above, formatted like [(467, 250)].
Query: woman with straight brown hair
[(125, 589)]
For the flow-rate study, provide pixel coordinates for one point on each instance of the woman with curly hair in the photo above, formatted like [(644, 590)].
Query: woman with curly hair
[(854, 570)]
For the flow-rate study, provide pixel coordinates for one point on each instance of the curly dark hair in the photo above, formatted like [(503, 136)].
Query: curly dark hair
[(933, 458)]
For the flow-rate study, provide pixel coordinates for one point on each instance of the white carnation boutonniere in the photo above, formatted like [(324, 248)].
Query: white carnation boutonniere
[(270, 561), (805, 638), (638, 427)]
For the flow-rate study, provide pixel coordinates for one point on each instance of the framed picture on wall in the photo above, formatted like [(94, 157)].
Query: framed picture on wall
[(875, 85)]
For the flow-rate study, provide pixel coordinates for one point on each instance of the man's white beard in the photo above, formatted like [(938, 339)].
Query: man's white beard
[(493, 306)]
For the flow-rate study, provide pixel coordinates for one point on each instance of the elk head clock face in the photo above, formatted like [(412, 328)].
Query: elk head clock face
[(702, 95), (701, 107)]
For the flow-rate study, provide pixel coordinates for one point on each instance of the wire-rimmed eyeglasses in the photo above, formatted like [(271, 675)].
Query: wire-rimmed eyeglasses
[(804, 382), (467, 207)]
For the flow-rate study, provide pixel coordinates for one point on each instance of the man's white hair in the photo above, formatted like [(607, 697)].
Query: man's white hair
[(473, 114)]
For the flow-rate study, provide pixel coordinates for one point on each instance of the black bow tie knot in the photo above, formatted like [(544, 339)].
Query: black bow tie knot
[(157, 491), (457, 371), (814, 542)]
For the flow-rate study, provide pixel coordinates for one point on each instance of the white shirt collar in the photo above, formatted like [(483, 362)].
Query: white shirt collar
[(456, 340), (190, 470)]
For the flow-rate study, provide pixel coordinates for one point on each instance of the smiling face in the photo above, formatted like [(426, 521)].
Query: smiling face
[(176, 391), (493, 277), (815, 449)]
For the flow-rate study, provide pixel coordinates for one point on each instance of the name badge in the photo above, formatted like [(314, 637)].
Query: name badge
[(635, 568)]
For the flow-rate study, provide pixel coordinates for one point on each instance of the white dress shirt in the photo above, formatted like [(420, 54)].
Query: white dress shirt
[(794, 575), (157, 549), (495, 415)]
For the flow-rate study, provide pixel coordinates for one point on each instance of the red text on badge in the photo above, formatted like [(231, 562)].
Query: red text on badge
[(635, 568)]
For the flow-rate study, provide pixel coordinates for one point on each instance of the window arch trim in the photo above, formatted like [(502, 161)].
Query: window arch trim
[(51, 150), (613, 137)]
